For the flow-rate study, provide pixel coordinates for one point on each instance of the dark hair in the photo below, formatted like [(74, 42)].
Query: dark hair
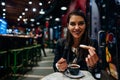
[(78, 13), (84, 39)]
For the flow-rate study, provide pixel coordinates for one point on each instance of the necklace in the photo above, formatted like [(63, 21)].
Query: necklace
[(75, 50)]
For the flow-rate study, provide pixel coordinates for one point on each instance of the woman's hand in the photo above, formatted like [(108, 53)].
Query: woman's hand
[(92, 57), (62, 64)]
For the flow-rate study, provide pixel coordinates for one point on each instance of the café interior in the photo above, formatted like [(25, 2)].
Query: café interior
[(21, 58)]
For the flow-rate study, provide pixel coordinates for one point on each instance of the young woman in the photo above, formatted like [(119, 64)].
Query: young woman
[(68, 50)]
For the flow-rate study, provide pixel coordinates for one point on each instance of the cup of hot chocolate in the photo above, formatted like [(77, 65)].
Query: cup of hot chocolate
[(74, 69)]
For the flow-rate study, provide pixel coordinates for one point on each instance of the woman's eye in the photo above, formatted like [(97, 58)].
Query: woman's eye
[(81, 23), (72, 24)]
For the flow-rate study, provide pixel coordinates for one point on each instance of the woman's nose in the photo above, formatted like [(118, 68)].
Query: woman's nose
[(77, 26)]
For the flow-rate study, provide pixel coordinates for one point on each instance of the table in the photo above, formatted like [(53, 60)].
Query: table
[(61, 76)]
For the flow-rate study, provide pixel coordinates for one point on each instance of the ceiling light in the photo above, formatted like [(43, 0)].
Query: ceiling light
[(32, 20), (34, 9), (41, 11), (30, 2), (63, 8), (103, 17), (38, 23), (3, 3), (51, 17), (18, 19), (49, 2), (4, 9), (4, 17), (47, 18), (103, 5), (4, 14), (55, 27), (23, 13), (40, 3), (25, 21), (26, 9), (20, 16), (57, 19)]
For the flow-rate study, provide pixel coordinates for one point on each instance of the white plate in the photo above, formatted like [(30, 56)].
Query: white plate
[(74, 76)]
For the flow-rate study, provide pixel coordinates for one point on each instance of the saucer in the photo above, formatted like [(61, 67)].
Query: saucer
[(74, 76)]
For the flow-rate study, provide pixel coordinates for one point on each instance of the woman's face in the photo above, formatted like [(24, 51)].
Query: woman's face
[(76, 26)]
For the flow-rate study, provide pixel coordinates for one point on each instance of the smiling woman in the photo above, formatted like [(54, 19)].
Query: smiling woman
[(77, 34)]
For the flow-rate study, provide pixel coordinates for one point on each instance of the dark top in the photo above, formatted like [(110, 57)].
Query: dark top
[(40, 39), (66, 52)]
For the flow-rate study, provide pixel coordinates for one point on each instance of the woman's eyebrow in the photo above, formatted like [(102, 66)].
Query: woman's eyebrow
[(81, 21)]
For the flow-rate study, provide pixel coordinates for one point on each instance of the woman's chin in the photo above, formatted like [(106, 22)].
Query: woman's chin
[(77, 36)]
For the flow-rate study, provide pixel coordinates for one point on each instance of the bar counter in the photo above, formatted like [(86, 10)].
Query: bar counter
[(9, 41), (18, 52)]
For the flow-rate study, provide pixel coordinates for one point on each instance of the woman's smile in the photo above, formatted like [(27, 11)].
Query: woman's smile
[(76, 32)]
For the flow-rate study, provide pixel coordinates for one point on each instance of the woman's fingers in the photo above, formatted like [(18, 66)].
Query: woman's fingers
[(92, 57), (61, 61), (62, 64), (89, 61), (62, 67)]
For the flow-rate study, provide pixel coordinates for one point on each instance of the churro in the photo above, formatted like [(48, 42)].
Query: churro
[(84, 46)]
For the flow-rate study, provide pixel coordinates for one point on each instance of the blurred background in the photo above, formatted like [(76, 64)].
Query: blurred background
[(19, 17)]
